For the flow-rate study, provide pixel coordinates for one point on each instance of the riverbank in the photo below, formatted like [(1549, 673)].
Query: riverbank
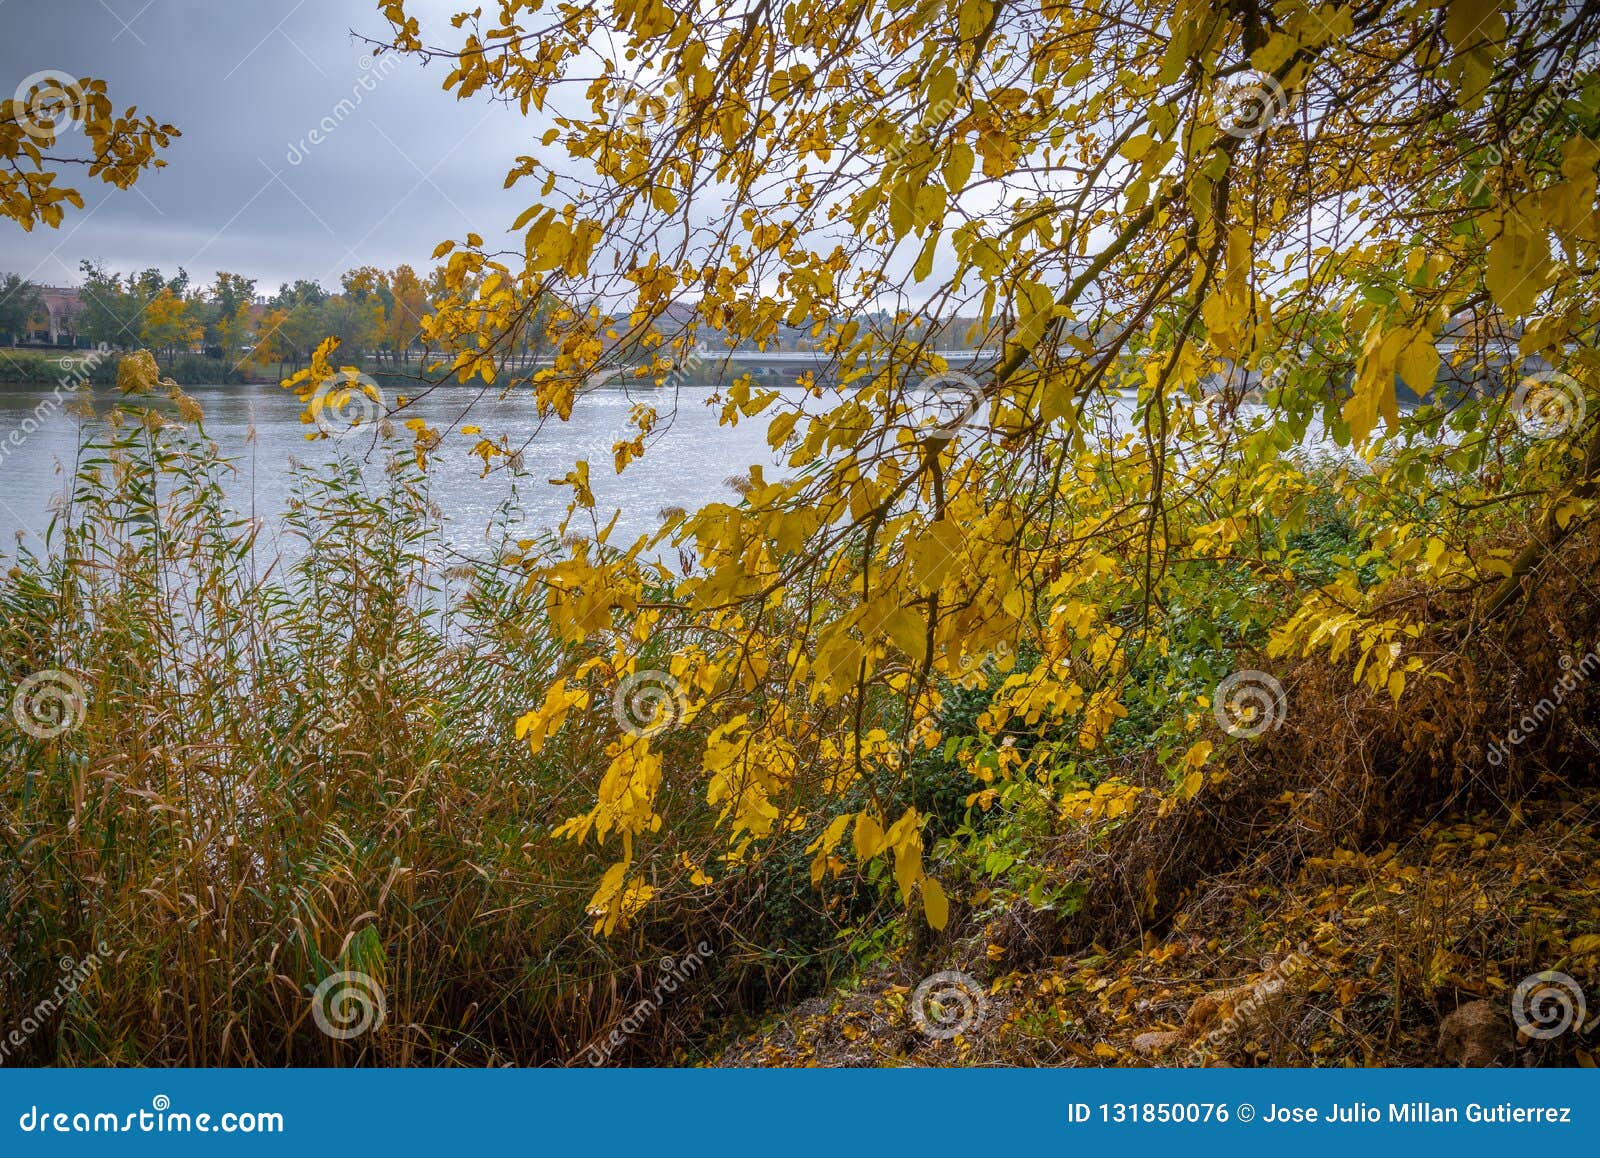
[(1409, 953), (35, 367)]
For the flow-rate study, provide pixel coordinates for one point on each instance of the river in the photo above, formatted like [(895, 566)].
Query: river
[(258, 427), (688, 460)]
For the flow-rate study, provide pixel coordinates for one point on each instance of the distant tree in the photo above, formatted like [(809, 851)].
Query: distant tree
[(149, 283), (170, 323), (303, 327), (109, 312), (231, 290), (270, 343), (407, 305), (301, 293), (293, 324), (356, 321), (231, 331), (20, 303), (227, 313), (368, 281)]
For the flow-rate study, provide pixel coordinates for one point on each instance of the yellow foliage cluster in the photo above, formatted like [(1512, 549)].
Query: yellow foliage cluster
[(36, 138), (1138, 258)]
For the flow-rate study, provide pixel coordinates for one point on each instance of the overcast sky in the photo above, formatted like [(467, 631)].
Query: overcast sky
[(404, 166)]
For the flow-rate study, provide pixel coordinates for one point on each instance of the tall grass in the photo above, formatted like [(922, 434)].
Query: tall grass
[(295, 764)]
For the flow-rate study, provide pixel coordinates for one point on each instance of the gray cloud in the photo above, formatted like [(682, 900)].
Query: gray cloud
[(300, 157)]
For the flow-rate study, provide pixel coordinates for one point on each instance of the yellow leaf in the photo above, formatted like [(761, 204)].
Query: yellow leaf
[(935, 905), (1519, 265), (824, 845), (958, 166), (1419, 362), (909, 632), (907, 866), (869, 837), (1374, 388)]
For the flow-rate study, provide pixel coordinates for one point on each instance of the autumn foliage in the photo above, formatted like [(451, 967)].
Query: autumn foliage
[(1199, 613), (1149, 212)]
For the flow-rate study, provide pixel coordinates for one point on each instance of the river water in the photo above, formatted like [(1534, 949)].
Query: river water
[(688, 460), (257, 426)]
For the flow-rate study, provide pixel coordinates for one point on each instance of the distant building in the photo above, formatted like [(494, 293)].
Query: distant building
[(59, 325)]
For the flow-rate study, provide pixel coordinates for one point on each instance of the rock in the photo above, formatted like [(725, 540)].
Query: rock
[(1156, 1041), (1474, 1035)]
